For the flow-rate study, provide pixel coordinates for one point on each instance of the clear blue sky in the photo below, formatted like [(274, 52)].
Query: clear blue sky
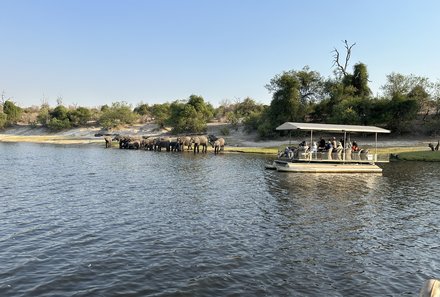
[(93, 52)]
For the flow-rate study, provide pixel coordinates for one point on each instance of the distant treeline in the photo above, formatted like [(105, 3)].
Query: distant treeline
[(409, 104)]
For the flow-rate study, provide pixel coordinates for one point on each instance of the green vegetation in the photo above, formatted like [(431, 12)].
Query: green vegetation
[(429, 156), (120, 113), (409, 104)]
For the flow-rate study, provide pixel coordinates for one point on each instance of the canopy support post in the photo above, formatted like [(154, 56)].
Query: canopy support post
[(311, 144)]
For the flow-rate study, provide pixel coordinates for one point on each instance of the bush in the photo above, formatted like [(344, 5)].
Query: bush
[(79, 116), (12, 111), (119, 113), (3, 120), (58, 125)]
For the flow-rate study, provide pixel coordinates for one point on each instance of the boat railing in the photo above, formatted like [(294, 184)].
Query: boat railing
[(363, 156)]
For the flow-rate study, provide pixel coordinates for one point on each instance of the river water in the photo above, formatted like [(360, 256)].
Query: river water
[(89, 221)]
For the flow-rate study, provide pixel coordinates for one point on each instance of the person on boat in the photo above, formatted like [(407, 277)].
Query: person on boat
[(288, 153), (333, 141), (342, 142), (321, 146), (328, 146), (339, 147), (355, 147), (314, 147)]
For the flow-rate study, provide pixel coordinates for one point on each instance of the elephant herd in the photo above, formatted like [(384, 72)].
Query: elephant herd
[(168, 144)]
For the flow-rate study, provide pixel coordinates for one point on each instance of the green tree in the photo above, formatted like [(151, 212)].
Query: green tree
[(190, 116), (43, 116), (56, 124), (206, 109), (12, 111), (79, 116), (160, 113), (120, 113), (286, 102), (142, 109), (60, 113), (402, 111), (360, 80), (3, 120)]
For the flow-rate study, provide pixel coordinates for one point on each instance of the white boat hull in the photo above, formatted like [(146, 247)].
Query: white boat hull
[(324, 167)]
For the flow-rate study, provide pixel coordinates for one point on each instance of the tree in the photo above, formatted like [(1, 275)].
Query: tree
[(360, 80), (60, 113), (398, 84), (286, 102), (142, 109), (12, 111), (206, 109), (3, 120), (79, 116), (43, 116), (341, 67), (190, 116), (120, 113), (160, 113)]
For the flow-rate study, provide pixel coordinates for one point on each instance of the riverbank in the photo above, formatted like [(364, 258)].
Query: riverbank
[(237, 140)]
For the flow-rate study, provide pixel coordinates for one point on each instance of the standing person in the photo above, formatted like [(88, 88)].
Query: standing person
[(321, 145), (333, 141)]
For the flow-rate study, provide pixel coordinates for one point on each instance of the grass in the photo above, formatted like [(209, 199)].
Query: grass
[(55, 139), (252, 150), (428, 156)]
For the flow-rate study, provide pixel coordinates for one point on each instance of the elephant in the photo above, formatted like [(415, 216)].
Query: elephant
[(127, 142), (147, 144), (175, 145), (160, 143), (108, 141), (217, 143), (185, 140), (200, 141)]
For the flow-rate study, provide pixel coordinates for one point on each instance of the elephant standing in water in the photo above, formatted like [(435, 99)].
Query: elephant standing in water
[(185, 140), (108, 141), (160, 143), (200, 141), (217, 143), (127, 142)]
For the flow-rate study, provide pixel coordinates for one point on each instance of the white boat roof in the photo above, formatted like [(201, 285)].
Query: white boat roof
[(331, 127)]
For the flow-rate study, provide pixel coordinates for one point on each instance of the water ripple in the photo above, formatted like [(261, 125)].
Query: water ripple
[(85, 221)]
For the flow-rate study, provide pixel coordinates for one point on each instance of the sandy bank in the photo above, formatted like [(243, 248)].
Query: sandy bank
[(236, 139)]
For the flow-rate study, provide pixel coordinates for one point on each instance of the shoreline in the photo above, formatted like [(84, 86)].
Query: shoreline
[(236, 142)]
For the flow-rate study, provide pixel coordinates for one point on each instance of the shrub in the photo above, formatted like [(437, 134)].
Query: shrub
[(3, 120), (12, 111), (58, 125), (119, 113)]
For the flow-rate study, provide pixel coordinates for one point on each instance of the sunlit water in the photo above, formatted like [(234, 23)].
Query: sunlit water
[(89, 221)]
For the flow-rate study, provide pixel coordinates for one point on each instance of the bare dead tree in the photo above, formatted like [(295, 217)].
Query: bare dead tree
[(342, 67)]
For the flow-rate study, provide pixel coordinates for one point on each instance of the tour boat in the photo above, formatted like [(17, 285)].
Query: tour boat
[(342, 160)]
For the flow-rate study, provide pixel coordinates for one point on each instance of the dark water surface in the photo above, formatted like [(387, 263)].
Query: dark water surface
[(89, 221)]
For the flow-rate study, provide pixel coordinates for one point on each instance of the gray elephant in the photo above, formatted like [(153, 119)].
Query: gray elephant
[(200, 141), (217, 143), (160, 143), (108, 141), (185, 140)]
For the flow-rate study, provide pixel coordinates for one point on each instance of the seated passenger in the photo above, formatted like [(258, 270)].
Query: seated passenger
[(328, 146), (354, 147)]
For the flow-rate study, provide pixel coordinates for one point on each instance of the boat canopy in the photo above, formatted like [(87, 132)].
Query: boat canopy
[(331, 128)]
